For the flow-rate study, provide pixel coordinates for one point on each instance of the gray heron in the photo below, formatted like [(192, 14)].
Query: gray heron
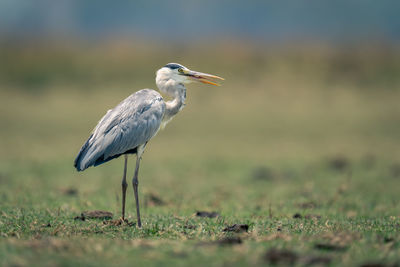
[(128, 127)]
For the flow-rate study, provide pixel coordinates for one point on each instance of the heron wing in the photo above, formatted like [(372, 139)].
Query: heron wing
[(131, 123)]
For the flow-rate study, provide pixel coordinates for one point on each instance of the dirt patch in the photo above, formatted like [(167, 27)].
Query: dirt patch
[(388, 239), (229, 241), (206, 214), (339, 163), (297, 216), (276, 236), (281, 256), (263, 173), (376, 264), (307, 216), (237, 228), (330, 247), (317, 260), (152, 199), (119, 222), (287, 257), (95, 214), (70, 191)]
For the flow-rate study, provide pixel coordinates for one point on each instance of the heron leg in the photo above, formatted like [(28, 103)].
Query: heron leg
[(124, 187), (135, 183)]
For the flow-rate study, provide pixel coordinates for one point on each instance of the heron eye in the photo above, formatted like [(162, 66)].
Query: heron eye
[(180, 70)]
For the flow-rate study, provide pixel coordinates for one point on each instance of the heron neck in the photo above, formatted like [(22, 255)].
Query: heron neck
[(177, 92), (173, 106)]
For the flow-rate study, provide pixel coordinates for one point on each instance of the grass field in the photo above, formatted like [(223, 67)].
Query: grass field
[(301, 145)]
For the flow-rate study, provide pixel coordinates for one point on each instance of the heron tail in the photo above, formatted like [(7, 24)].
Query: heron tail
[(81, 157)]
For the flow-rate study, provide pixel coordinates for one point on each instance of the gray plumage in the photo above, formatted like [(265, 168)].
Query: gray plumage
[(132, 123), (128, 127)]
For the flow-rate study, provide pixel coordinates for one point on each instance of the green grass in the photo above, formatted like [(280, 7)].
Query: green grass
[(287, 138)]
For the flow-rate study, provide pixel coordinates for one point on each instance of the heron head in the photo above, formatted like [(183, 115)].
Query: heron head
[(181, 74)]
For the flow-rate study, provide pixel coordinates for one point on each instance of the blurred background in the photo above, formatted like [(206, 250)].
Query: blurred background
[(301, 142), (305, 80)]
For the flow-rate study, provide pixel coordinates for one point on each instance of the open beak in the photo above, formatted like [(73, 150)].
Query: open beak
[(202, 77)]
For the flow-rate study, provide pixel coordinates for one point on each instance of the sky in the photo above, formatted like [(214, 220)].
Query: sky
[(338, 20)]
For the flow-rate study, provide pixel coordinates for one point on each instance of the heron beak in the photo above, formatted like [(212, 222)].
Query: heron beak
[(203, 77)]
